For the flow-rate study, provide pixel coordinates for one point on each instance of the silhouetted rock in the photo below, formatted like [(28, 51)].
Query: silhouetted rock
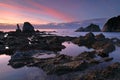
[(90, 28), (27, 27), (112, 25), (18, 28)]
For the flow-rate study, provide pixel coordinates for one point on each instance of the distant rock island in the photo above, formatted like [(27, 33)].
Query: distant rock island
[(112, 25), (90, 28)]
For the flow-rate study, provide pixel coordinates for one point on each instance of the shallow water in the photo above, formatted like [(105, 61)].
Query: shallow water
[(33, 73)]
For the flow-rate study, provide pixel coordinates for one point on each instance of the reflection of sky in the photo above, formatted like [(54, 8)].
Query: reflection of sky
[(73, 50), (45, 11)]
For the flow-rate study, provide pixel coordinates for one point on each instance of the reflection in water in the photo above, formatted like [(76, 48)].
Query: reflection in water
[(33, 73), (73, 49)]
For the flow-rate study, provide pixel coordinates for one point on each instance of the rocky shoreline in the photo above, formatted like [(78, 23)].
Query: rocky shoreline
[(22, 46)]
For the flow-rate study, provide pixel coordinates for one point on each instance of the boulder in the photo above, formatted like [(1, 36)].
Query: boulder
[(106, 49), (27, 27), (100, 37), (112, 25), (90, 39)]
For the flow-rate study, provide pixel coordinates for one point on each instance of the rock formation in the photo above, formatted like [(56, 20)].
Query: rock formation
[(18, 28), (27, 27), (112, 25), (90, 28)]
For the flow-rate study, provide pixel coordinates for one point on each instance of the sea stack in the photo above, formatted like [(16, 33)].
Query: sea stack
[(112, 25), (27, 27), (18, 28), (91, 28)]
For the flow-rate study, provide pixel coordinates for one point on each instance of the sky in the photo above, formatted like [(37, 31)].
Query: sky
[(56, 11)]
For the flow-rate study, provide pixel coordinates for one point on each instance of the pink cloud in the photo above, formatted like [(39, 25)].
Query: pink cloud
[(46, 10), (50, 11)]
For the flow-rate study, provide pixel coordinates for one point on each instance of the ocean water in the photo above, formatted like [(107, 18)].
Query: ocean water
[(33, 73)]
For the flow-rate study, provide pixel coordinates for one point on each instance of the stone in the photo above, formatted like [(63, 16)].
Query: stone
[(112, 25), (18, 30), (69, 67), (27, 27), (100, 37), (90, 28), (107, 59)]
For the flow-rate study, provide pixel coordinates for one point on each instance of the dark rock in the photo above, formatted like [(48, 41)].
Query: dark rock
[(70, 66), (62, 59), (112, 25), (107, 59), (90, 39), (80, 41), (109, 73), (86, 40), (27, 27), (116, 41), (18, 30), (93, 61), (86, 55), (100, 37), (90, 28), (105, 49), (108, 48)]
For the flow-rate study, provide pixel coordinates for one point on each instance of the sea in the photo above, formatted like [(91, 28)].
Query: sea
[(34, 73)]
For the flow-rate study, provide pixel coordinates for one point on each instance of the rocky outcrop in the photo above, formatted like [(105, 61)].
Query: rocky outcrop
[(27, 27), (18, 30), (111, 72), (103, 46), (90, 28), (112, 25)]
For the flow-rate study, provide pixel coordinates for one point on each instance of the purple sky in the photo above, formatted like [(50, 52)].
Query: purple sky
[(47, 11)]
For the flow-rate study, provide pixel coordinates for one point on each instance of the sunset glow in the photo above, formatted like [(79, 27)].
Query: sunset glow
[(42, 11)]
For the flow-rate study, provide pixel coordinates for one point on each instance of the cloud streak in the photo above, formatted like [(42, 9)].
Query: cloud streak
[(50, 11), (38, 10)]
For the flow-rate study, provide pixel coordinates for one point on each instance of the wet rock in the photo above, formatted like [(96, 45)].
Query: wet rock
[(107, 59), (27, 27), (116, 41), (107, 48), (100, 37), (93, 61), (21, 55), (86, 40), (90, 28), (62, 59), (86, 55), (80, 41), (111, 72), (70, 66), (90, 39)]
